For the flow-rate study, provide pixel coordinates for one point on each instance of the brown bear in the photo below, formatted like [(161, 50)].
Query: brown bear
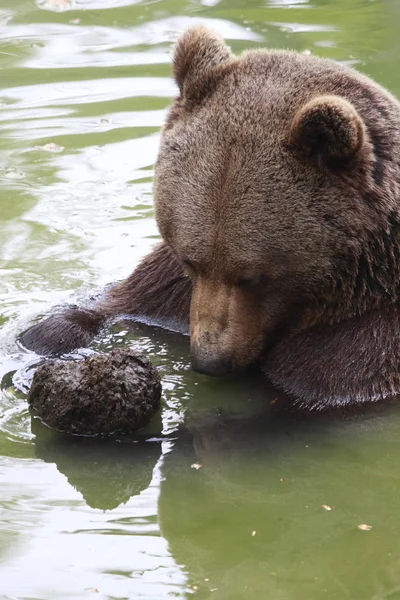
[(277, 197)]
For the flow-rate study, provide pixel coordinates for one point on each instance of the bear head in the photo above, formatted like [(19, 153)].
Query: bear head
[(274, 181)]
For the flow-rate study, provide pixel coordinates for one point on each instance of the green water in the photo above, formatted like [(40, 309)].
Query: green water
[(84, 85)]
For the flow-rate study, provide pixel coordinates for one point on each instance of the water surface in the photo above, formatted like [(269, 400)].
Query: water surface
[(272, 505)]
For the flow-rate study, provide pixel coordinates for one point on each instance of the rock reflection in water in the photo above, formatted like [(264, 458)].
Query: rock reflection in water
[(107, 474)]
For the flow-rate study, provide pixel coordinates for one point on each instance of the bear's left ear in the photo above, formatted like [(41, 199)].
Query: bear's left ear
[(329, 130), (198, 54)]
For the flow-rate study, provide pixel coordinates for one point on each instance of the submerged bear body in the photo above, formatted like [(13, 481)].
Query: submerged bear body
[(277, 197)]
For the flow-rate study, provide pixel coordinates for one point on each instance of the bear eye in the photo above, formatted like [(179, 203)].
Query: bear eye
[(189, 268), (249, 283)]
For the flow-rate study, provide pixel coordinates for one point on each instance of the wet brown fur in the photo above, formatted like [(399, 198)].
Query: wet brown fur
[(158, 291), (277, 193)]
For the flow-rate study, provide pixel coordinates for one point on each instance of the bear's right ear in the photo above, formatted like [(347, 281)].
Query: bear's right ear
[(329, 131), (198, 54)]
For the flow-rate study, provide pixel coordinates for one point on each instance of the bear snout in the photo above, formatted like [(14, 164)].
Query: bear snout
[(211, 364)]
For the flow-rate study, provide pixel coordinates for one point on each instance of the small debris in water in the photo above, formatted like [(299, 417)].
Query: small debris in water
[(196, 466), (364, 527), (326, 507), (53, 147), (57, 5), (281, 479), (14, 174), (253, 533)]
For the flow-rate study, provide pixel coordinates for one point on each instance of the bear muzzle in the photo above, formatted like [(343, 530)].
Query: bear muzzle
[(225, 330), (211, 364)]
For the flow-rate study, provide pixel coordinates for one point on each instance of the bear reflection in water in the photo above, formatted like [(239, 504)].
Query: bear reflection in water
[(250, 522)]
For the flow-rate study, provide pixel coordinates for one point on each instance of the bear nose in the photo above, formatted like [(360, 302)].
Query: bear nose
[(212, 365)]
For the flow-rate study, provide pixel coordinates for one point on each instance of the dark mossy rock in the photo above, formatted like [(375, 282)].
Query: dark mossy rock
[(103, 394)]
